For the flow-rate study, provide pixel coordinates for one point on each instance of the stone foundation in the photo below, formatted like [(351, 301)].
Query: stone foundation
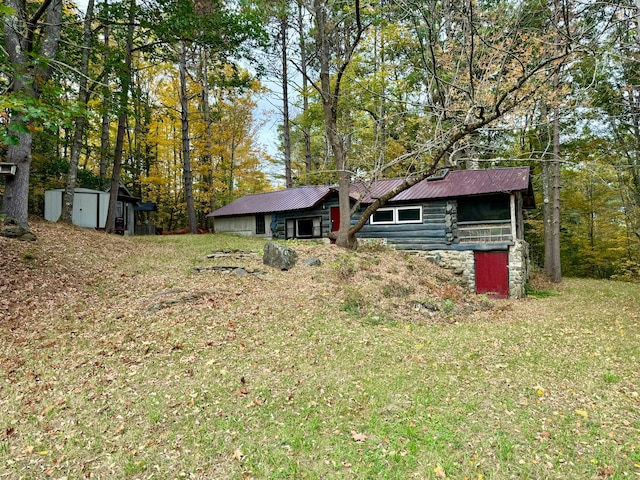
[(462, 263), (519, 267)]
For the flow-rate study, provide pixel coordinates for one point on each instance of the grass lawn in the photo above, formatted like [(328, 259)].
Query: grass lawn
[(119, 360)]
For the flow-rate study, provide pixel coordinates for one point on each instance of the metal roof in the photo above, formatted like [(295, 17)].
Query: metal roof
[(146, 207), (290, 199), (457, 183)]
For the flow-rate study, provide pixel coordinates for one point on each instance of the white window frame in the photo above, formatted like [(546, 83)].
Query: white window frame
[(396, 218), (373, 222), (411, 207)]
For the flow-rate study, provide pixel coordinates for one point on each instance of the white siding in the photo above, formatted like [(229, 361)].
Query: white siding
[(52, 205), (90, 208), (244, 225), (104, 209)]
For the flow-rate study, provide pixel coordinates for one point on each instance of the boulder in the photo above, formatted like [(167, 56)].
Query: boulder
[(241, 272), (312, 262), (279, 256), (11, 229)]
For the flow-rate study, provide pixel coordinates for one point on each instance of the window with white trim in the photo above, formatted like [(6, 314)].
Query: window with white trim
[(383, 216), (396, 215)]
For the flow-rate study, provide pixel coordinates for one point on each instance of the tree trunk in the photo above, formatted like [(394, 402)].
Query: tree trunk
[(186, 149), (330, 97), (554, 271), (83, 99), (286, 127), (547, 216), (110, 226), (207, 158), (104, 147), (15, 203), (305, 95), (18, 31), (106, 124)]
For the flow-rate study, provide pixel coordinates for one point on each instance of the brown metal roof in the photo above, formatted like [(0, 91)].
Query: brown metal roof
[(457, 183), (287, 200)]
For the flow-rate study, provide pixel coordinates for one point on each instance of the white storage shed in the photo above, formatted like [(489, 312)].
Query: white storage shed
[(90, 208)]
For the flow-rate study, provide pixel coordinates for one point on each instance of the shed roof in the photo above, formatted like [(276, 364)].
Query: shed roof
[(300, 198), (457, 183), (123, 193), (146, 207)]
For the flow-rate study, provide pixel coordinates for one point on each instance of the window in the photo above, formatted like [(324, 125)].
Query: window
[(409, 215), (484, 208), (395, 215), (485, 219), (382, 215), (310, 227), (260, 226)]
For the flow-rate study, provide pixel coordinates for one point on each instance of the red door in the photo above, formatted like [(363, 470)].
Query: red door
[(492, 274), (335, 220)]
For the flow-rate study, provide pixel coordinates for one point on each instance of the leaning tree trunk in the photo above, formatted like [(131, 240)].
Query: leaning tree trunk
[(83, 99)]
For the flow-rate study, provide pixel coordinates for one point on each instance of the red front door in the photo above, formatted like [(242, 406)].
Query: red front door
[(335, 220), (492, 274)]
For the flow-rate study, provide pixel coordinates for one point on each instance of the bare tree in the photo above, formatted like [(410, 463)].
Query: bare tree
[(343, 37), (472, 76)]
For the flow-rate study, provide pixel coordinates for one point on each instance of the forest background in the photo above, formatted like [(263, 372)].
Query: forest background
[(163, 96)]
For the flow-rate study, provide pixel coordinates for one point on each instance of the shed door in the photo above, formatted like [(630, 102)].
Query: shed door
[(85, 209), (492, 273)]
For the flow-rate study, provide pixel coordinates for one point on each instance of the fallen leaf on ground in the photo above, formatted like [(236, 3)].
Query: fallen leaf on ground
[(608, 471), (358, 437), (237, 455)]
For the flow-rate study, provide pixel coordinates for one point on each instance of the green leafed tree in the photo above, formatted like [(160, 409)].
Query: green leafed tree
[(31, 33)]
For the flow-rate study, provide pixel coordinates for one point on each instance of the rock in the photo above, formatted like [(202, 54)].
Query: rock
[(278, 256), (241, 272), (11, 229), (312, 262)]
